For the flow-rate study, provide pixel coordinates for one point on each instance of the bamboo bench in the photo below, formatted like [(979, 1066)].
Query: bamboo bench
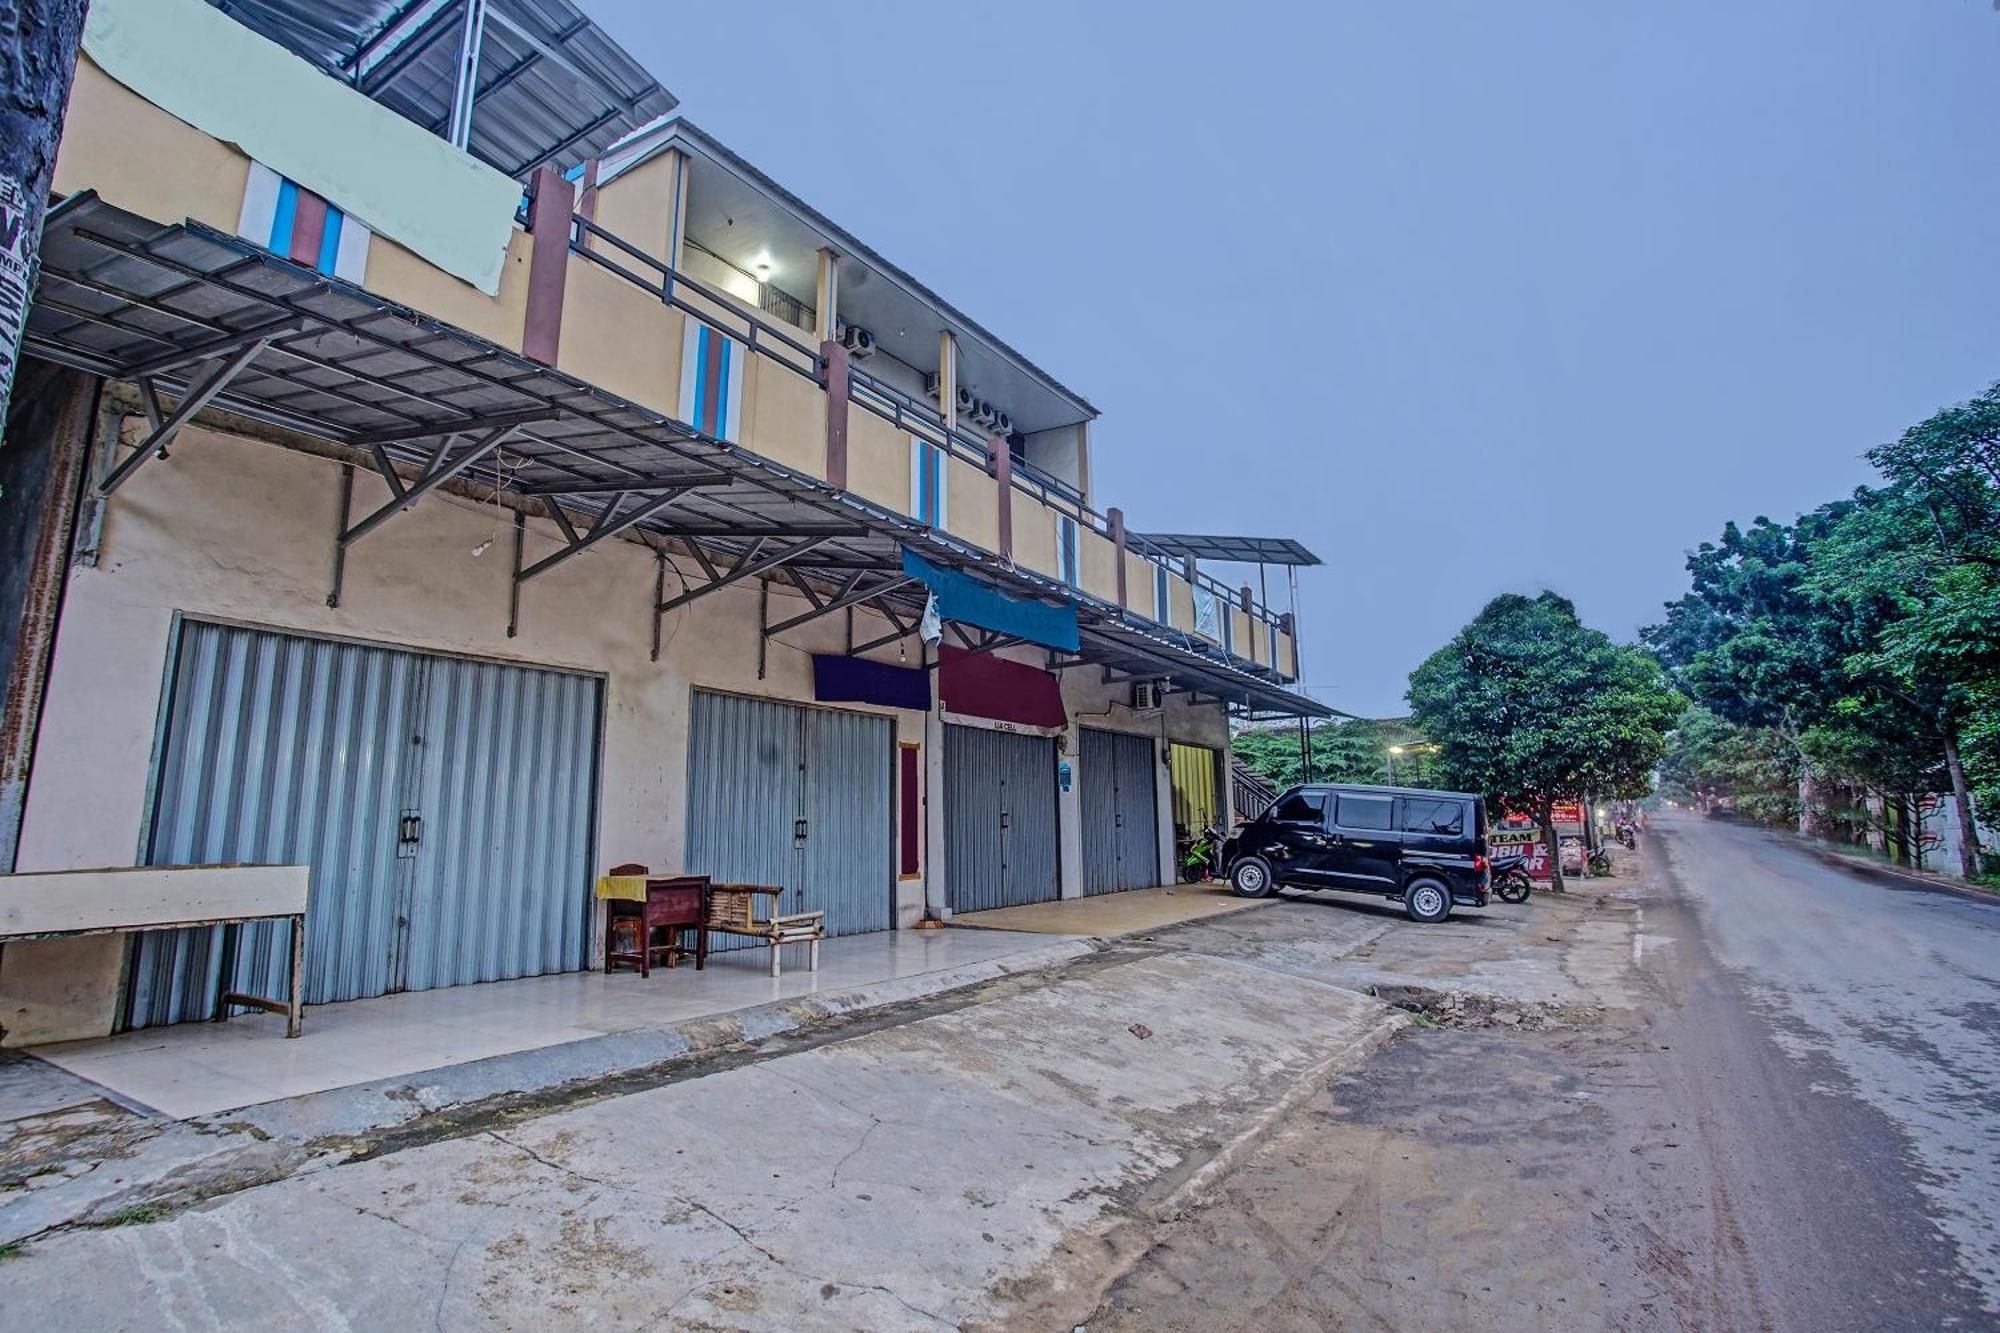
[(732, 910)]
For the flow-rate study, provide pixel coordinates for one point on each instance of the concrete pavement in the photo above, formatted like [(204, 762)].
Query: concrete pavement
[(924, 1174)]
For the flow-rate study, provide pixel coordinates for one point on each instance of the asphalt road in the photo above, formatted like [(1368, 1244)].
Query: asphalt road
[(1786, 1116), (1867, 1158)]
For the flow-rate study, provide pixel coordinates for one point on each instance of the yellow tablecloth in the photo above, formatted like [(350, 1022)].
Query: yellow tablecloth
[(625, 888)]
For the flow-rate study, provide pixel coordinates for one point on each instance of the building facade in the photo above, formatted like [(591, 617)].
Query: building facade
[(486, 490)]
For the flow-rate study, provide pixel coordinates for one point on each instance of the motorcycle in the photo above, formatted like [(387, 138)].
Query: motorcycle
[(1199, 863), (1511, 881), (1628, 836)]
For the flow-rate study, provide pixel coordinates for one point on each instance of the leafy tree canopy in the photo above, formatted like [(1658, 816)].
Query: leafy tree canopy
[(1529, 706)]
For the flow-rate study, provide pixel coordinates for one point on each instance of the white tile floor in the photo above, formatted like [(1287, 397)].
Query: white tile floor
[(200, 1068)]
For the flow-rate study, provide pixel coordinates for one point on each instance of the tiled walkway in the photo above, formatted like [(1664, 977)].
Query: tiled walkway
[(199, 1068)]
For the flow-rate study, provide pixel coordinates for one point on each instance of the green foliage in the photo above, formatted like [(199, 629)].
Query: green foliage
[(1530, 706), (1753, 769), (1347, 750)]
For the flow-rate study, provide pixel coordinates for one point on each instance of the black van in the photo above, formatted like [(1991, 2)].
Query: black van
[(1425, 848)]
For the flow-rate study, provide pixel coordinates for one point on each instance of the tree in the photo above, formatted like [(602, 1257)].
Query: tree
[(1926, 617), (1529, 706), (1751, 644), (1346, 750), (1709, 758)]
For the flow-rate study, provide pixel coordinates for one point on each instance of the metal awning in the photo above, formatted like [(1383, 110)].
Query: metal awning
[(553, 88), (1239, 550), (218, 321)]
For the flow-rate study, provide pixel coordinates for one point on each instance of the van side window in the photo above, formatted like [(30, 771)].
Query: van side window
[(1422, 815), (1300, 807), (1366, 812)]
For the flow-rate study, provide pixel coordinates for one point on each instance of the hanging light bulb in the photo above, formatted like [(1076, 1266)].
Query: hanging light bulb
[(483, 547)]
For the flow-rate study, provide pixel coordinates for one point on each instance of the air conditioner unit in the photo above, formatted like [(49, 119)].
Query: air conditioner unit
[(1146, 696), (983, 413), (857, 340), (933, 385), (966, 402), (1003, 425)]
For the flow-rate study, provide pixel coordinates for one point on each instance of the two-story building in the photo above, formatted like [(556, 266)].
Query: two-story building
[(489, 478)]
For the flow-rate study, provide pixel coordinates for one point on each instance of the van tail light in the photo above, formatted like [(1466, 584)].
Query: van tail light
[(1481, 864)]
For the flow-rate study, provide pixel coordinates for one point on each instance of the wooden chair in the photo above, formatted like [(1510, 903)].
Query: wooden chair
[(732, 910), (673, 903)]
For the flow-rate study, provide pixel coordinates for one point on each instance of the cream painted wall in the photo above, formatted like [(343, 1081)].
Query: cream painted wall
[(1098, 564), (243, 531)]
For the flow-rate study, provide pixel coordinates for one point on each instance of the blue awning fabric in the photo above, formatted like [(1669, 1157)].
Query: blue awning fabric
[(968, 601)]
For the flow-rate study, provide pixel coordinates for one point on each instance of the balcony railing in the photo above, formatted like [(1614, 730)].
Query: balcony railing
[(902, 410)]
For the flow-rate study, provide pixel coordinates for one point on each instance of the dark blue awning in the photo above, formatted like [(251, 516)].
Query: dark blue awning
[(965, 599)]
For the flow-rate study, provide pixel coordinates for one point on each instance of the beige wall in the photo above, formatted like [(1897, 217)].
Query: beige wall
[(621, 339), (243, 531), (974, 513), (1097, 562), (638, 208), (1034, 536)]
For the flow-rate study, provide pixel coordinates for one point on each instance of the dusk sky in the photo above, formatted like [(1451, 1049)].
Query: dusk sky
[(1469, 297)]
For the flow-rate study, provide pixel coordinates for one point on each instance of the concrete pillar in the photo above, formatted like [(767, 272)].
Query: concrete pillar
[(1069, 816), (1003, 476), (835, 381), (677, 211), (826, 296), (1116, 517), (549, 210), (936, 890), (1163, 802)]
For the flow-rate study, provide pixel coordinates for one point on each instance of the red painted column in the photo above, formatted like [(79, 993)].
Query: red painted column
[(1117, 520), (549, 211), (1003, 472), (834, 357), (1246, 600)]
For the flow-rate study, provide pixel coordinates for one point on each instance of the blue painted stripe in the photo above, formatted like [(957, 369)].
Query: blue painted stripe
[(722, 393), (927, 484), (284, 218), (700, 379), (329, 242)]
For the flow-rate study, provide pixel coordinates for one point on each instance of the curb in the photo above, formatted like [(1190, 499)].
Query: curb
[(1896, 876), (232, 1150)]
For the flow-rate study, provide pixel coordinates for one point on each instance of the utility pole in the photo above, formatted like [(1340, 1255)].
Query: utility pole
[(38, 42)]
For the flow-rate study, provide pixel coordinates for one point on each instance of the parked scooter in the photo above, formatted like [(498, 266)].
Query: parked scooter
[(1628, 835), (1199, 864), (1511, 881)]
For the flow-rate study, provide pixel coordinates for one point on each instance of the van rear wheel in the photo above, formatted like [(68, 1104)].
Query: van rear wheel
[(1427, 900), (1251, 877)]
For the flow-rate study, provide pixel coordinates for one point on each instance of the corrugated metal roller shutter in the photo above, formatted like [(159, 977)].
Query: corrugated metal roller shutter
[(849, 860), (796, 797), (283, 749), (743, 795), (1120, 833), (509, 776), (1195, 802), (1000, 819)]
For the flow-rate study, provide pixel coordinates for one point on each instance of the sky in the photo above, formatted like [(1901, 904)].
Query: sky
[(1468, 297)]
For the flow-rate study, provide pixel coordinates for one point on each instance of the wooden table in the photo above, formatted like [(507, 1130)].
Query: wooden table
[(673, 903), (62, 904)]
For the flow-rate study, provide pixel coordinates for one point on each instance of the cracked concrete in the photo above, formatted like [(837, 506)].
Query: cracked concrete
[(911, 1176)]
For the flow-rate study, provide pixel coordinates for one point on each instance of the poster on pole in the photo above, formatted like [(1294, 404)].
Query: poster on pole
[(16, 271)]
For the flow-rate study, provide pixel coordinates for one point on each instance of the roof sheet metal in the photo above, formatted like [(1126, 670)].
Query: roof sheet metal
[(553, 89), (118, 290), (1240, 550)]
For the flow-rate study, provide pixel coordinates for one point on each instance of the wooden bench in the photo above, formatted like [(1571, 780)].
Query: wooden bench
[(732, 910), (59, 904)]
